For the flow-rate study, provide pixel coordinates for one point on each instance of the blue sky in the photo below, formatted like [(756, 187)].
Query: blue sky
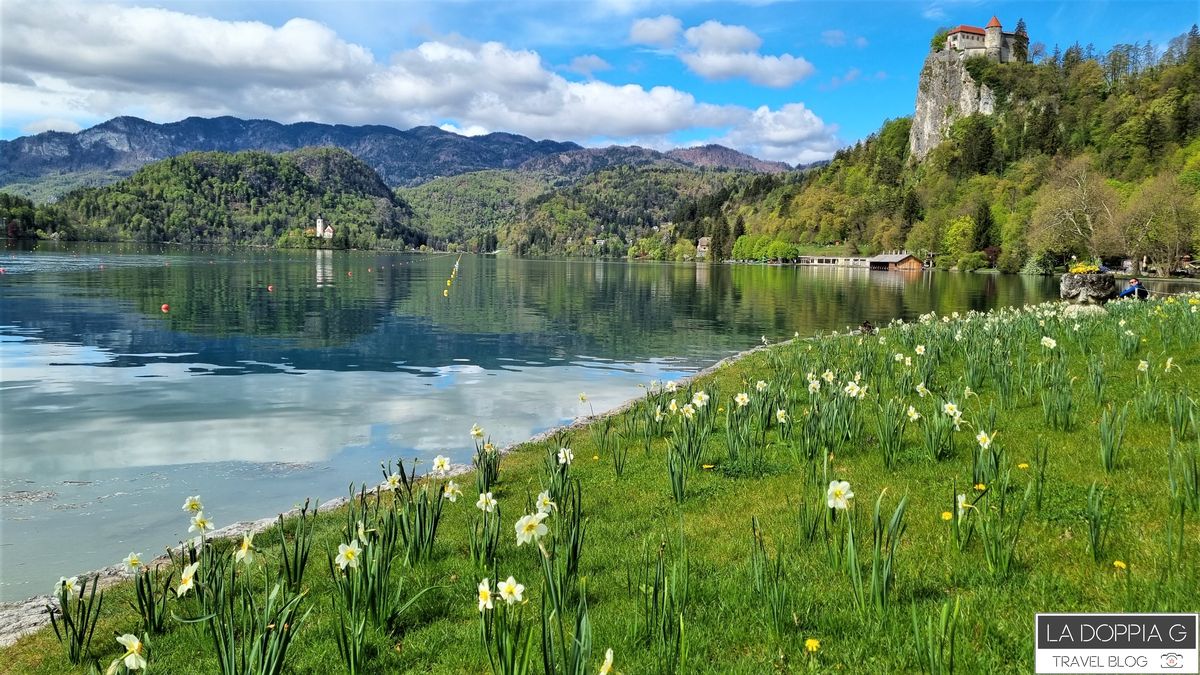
[(783, 80)]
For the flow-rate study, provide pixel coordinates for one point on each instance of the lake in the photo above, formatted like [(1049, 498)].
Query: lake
[(275, 376)]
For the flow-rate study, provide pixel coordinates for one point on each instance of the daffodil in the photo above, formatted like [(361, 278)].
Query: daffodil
[(688, 411), (68, 584), (133, 561), (1171, 364), (199, 522), (920, 350), (838, 495), (913, 415), (348, 555), (193, 505), (476, 431), (1049, 342), (187, 579), (530, 528), (452, 491), (851, 390), (742, 399), (485, 595), (565, 456), (441, 464), (607, 666), (544, 503), (814, 386), (760, 386), (510, 590), (908, 361), (658, 413), (1143, 366), (486, 503), (699, 399), (951, 409), (134, 656), (961, 504), (921, 390), (985, 440), (828, 376), (898, 358), (582, 397), (672, 387), (781, 416), (392, 482), (245, 551), (673, 406)]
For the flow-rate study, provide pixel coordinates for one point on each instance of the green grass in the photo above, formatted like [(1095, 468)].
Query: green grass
[(729, 626)]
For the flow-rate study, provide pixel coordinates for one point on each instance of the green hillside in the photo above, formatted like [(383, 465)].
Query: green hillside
[(1092, 155), (470, 208), (231, 198)]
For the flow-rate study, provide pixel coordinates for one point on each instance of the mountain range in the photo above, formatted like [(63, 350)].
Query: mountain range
[(48, 164)]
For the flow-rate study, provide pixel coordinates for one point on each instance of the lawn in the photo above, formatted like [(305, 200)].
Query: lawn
[(694, 532)]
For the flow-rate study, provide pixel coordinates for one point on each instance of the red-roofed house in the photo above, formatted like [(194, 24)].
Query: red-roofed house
[(990, 41)]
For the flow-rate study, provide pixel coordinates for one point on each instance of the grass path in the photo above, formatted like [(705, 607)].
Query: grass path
[(752, 609)]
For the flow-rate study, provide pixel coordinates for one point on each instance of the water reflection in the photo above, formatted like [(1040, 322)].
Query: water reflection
[(279, 375)]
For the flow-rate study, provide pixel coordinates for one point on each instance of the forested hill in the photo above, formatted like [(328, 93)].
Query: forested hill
[(1087, 154), (232, 198)]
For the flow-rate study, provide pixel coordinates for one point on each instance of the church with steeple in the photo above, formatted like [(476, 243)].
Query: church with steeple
[(990, 41)]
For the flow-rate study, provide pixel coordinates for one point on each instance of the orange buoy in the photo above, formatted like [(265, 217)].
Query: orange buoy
[(349, 274), (166, 308)]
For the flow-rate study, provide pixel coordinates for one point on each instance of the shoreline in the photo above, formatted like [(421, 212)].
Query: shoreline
[(21, 617)]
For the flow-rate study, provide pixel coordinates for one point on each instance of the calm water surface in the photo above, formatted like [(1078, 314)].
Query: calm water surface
[(281, 375)]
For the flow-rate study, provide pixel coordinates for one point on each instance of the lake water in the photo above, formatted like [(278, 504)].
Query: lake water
[(276, 376)]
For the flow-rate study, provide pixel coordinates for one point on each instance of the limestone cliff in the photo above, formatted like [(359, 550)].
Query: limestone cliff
[(946, 93)]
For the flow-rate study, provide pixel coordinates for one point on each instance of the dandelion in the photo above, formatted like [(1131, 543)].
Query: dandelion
[(1120, 565), (828, 376), (672, 387), (134, 656), (781, 416), (245, 551), (193, 505), (607, 666), (742, 399), (199, 522), (530, 528), (476, 431), (544, 503), (68, 584), (1023, 466), (951, 409), (980, 487), (452, 491), (700, 399), (1143, 366), (913, 415), (348, 555), (921, 390), (839, 495), (814, 386), (920, 350), (985, 441), (187, 579), (486, 503), (565, 456), (1049, 342), (812, 645), (392, 482), (441, 464), (132, 561), (510, 590), (485, 595), (946, 515), (706, 467)]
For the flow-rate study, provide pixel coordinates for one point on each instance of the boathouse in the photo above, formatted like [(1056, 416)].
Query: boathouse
[(902, 261)]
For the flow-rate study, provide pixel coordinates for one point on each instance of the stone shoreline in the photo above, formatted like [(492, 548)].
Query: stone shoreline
[(21, 618)]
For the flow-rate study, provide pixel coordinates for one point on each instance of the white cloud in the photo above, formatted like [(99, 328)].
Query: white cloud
[(660, 32), (473, 130), (792, 134), (934, 12), (833, 38), (861, 42), (722, 52), (51, 124), (588, 64), (70, 60)]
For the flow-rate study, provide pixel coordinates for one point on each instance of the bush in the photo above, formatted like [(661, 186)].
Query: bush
[(1039, 264), (973, 261), (1009, 261)]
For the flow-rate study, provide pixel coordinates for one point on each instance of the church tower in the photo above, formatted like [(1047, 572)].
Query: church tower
[(993, 40)]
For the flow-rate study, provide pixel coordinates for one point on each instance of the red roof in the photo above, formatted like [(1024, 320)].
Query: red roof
[(994, 23), (967, 29)]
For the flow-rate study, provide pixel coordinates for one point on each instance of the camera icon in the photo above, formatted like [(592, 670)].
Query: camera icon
[(1172, 660)]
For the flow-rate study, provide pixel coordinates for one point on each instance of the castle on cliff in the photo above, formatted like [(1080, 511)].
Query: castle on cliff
[(990, 41)]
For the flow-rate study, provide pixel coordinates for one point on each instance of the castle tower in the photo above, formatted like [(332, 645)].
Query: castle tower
[(993, 39)]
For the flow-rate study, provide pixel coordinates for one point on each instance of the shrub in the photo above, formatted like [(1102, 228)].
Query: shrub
[(973, 261)]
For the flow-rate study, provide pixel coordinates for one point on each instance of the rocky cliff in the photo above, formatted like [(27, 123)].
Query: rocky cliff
[(946, 93)]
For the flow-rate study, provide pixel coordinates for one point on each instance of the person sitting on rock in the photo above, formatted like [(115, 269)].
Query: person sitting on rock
[(1135, 289)]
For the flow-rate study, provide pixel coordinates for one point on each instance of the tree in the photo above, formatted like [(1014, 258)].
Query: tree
[(960, 237), (938, 42), (1076, 213), (1021, 43), (1160, 222)]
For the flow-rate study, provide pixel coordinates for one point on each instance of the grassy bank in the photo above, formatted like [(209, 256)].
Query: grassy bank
[(714, 547)]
